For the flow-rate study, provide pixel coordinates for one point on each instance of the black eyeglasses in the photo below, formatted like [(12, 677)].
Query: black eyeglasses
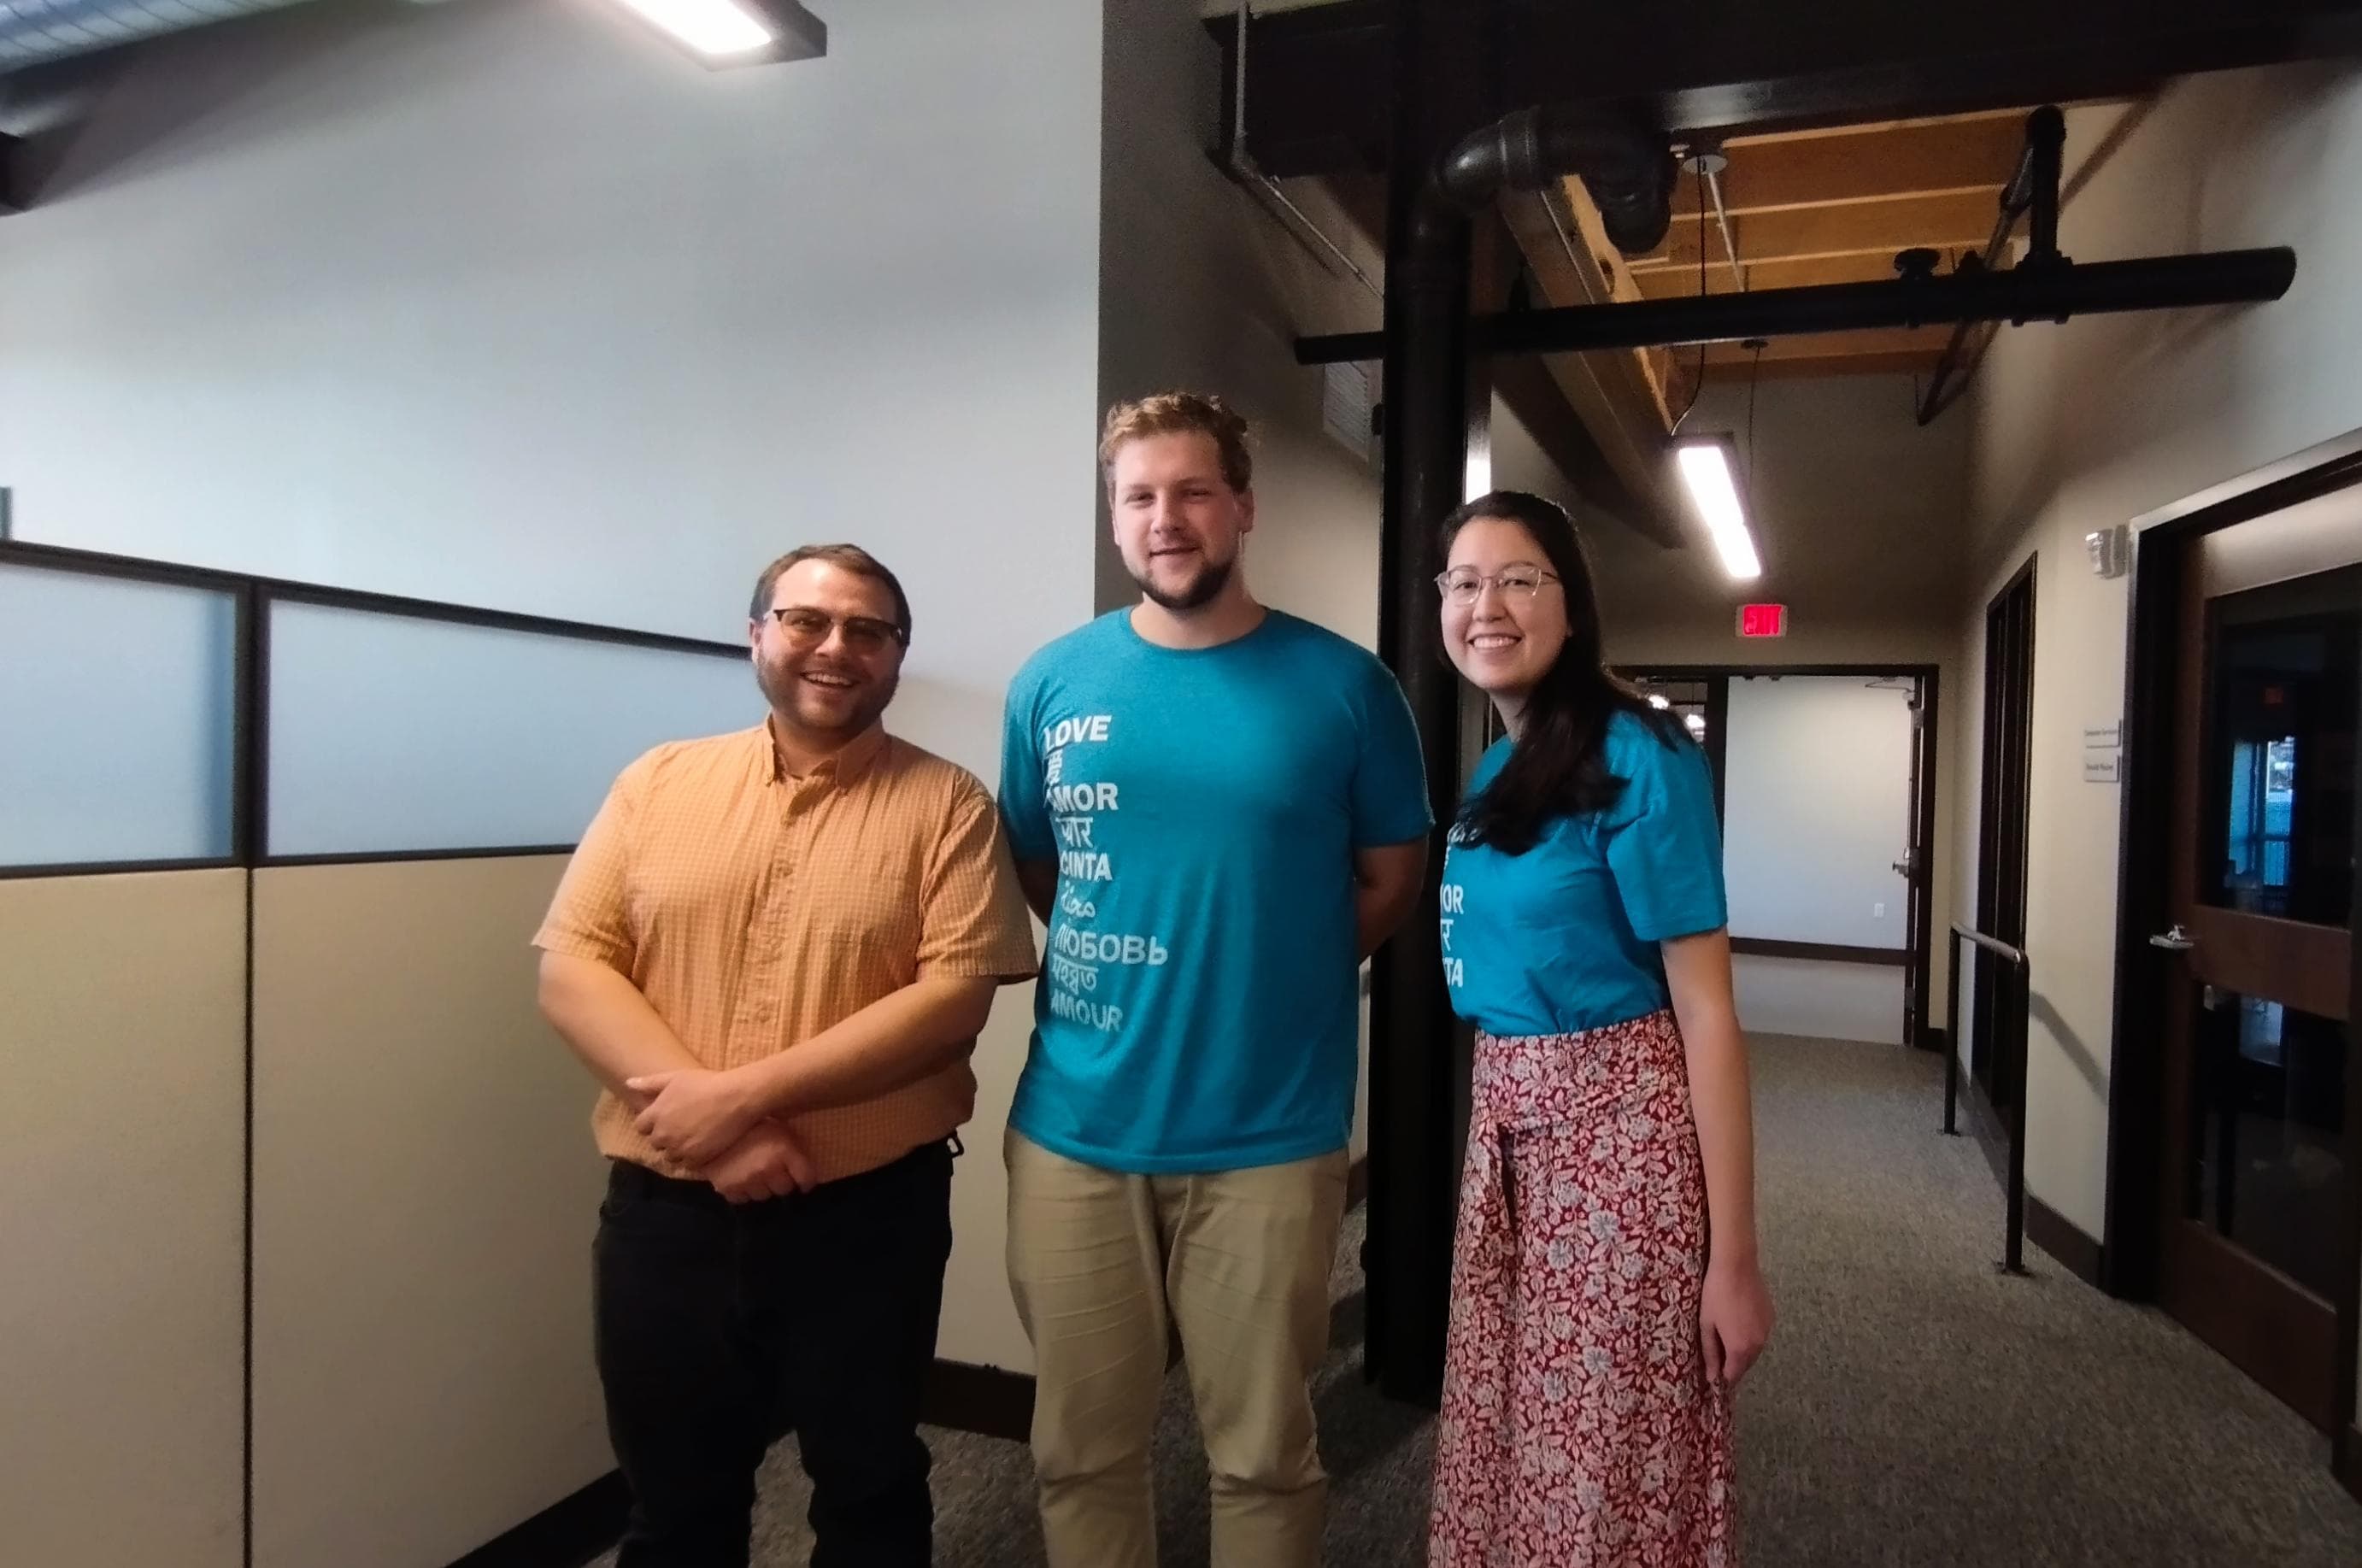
[(809, 628)]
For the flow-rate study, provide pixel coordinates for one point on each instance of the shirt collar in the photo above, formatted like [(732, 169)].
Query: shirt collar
[(842, 767)]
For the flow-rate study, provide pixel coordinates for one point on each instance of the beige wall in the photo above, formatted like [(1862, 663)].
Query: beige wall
[(425, 1194), (2090, 424), (122, 1154)]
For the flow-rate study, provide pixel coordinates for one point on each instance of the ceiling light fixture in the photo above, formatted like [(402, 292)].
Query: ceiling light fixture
[(736, 32), (1708, 468)]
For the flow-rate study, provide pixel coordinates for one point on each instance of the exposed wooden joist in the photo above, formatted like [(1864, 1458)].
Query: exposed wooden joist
[(1817, 170), (1864, 228), (1914, 363), (1624, 400), (1869, 267)]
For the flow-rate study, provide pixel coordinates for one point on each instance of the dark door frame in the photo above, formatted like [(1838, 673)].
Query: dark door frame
[(1989, 1023), (2161, 553), (1920, 1025)]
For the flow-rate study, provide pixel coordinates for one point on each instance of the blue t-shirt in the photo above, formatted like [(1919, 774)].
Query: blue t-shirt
[(1564, 936), (1198, 1009)]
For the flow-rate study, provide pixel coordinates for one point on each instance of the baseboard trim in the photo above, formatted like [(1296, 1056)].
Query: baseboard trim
[(1357, 1182), (567, 1534), (1935, 1039), (2347, 1462), (2065, 1240), (989, 1400)]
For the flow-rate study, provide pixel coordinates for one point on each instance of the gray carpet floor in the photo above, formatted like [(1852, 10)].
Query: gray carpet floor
[(1914, 1407)]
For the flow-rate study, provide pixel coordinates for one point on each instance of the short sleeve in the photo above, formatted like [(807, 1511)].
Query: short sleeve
[(1661, 841), (972, 919), (1022, 805), (1390, 802), (590, 917)]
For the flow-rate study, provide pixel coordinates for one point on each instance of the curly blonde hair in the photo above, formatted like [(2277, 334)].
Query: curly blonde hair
[(1177, 413)]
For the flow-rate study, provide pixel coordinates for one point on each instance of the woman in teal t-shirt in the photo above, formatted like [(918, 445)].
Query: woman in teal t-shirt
[(1606, 1296)]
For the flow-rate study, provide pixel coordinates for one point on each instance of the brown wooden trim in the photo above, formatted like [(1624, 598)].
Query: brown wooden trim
[(2065, 1240), (2345, 1460), (1829, 952), (1357, 1182), (989, 1400)]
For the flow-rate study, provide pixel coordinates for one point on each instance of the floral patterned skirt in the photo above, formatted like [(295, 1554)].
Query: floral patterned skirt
[(1578, 1428)]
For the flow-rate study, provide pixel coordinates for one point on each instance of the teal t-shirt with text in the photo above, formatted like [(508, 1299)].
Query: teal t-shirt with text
[(1565, 937), (1197, 1009)]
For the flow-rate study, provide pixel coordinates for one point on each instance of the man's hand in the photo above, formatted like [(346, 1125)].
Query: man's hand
[(765, 1163), (693, 1114)]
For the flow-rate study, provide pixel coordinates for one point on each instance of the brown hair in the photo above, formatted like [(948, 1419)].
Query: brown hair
[(850, 557), (1177, 413)]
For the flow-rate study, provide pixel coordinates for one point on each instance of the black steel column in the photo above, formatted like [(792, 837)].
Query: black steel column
[(1413, 1176)]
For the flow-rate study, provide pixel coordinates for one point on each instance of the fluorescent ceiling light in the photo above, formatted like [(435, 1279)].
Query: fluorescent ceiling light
[(1705, 469), (1657, 700), (737, 32)]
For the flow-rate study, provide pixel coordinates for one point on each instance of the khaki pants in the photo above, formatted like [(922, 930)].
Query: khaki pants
[(1104, 1266)]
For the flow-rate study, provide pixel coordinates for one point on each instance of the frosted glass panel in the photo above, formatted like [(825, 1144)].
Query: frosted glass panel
[(115, 719), (390, 733)]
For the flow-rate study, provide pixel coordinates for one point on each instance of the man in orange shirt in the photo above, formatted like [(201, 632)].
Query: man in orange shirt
[(775, 949)]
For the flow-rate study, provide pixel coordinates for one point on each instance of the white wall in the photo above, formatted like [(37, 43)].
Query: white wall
[(2094, 423), (507, 302), (1201, 289), (1818, 809)]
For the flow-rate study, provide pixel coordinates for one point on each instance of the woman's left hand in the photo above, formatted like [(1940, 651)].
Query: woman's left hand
[(1734, 1320)]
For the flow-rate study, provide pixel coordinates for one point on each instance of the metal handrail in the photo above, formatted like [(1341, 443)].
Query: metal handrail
[(2013, 1251)]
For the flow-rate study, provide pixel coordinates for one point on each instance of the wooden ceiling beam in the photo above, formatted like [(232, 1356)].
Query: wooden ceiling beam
[(1858, 229), (1911, 362), (1868, 266), (1951, 158)]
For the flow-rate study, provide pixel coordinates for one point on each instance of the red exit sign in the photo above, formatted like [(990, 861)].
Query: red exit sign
[(1763, 620)]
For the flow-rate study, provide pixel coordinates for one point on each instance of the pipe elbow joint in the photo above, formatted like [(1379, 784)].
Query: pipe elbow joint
[(1628, 170)]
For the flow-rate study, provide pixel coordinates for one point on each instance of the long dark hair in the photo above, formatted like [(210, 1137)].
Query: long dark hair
[(1559, 765)]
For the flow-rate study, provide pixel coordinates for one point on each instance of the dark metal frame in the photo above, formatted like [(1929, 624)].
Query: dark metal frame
[(251, 598), (2162, 552), (2013, 1241)]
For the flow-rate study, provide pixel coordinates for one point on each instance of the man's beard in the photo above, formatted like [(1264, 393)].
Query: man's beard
[(1211, 579), (782, 687)]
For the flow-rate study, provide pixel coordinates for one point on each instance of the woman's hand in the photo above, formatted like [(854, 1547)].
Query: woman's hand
[(1734, 1319)]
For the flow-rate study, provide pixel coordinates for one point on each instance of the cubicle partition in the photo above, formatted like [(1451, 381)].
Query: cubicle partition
[(298, 1187)]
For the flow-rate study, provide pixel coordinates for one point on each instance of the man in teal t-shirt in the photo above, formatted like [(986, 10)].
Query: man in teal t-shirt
[(1219, 810)]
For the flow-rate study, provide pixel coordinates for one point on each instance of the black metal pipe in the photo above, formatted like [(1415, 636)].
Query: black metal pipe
[(2046, 145), (1952, 1036), (2014, 1238), (1628, 169), (2055, 293), (1438, 179), (2014, 1246)]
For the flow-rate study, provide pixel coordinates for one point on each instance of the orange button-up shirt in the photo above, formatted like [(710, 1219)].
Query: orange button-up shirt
[(755, 908)]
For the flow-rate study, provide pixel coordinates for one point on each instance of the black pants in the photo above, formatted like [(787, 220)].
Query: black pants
[(720, 1326)]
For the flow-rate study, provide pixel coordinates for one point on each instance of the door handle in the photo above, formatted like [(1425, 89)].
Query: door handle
[(2174, 940)]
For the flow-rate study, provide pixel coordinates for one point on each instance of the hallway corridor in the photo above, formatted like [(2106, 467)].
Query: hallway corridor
[(1914, 1407)]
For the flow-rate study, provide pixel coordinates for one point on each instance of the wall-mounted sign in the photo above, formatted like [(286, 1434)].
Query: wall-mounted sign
[(1763, 620)]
